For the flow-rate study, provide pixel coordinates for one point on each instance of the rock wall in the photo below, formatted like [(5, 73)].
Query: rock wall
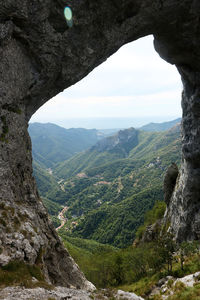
[(39, 57), (184, 208)]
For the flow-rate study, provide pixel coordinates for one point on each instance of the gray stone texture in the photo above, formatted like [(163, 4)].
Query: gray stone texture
[(39, 57), (59, 293)]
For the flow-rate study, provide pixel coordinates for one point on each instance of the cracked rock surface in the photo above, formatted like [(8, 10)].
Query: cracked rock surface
[(60, 293), (39, 57)]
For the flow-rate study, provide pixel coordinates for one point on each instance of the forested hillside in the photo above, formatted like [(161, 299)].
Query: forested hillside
[(108, 189), (53, 144), (154, 269), (108, 200)]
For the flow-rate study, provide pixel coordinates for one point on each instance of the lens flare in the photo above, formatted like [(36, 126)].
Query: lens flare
[(68, 16)]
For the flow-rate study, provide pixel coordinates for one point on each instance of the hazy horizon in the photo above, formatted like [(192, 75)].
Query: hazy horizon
[(110, 123)]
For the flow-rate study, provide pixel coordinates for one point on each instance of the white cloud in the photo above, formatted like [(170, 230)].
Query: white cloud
[(164, 104), (133, 82)]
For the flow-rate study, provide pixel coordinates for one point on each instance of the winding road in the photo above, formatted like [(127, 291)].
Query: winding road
[(62, 218)]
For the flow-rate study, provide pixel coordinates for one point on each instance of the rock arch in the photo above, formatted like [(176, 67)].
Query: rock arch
[(39, 57)]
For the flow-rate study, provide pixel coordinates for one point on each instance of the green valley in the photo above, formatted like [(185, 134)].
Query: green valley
[(109, 187)]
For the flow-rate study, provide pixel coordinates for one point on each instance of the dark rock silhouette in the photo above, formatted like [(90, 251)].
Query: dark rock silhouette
[(170, 182), (40, 55)]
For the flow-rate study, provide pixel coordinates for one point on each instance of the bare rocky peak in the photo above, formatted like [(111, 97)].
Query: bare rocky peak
[(123, 141)]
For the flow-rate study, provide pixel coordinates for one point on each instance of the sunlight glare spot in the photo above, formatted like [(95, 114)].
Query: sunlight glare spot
[(68, 16)]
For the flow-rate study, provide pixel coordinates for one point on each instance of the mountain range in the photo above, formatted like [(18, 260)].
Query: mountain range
[(160, 126), (109, 187), (53, 144)]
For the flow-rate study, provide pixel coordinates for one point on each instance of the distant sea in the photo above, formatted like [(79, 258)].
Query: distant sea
[(110, 123)]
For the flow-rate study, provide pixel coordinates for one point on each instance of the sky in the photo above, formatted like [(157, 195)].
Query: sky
[(133, 87)]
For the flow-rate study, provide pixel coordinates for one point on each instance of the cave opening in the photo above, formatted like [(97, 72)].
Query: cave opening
[(40, 56), (132, 88)]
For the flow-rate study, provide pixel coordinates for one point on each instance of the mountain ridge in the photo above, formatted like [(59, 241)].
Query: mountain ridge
[(157, 127), (52, 144)]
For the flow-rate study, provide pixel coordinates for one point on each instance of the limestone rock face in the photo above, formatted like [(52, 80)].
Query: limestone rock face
[(59, 293), (122, 142), (39, 57)]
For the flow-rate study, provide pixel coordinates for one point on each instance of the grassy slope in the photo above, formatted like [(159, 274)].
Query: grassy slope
[(86, 253), (133, 269)]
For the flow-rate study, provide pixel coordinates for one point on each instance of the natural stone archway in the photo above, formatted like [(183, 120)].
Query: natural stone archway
[(39, 57)]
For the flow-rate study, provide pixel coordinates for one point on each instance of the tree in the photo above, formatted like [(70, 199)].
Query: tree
[(186, 249), (167, 248)]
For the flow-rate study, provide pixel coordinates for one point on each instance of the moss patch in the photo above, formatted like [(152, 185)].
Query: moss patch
[(19, 273), (16, 223), (3, 222), (12, 108), (4, 129)]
